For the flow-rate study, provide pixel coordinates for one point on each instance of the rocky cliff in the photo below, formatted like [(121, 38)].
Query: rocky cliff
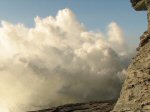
[(135, 94)]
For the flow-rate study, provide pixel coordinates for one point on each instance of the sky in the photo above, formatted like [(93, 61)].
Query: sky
[(94, 14)]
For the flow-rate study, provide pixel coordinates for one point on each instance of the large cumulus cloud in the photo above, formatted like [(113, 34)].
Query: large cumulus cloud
[(58, 61)]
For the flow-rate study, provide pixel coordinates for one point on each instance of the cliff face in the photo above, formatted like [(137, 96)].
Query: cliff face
[(135, 94)]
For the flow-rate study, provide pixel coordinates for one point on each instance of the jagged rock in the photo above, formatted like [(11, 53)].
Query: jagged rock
[(106, 106), (135, 94), (144, 39)]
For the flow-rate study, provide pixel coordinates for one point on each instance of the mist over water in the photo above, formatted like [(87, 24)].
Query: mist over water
[(58, 61)]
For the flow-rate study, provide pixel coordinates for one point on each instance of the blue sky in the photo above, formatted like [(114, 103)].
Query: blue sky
[(94, 14)]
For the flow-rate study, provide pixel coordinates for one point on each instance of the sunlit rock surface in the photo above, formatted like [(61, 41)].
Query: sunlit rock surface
[(135, 94)]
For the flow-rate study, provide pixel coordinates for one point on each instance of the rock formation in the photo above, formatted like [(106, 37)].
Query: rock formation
[(135, 94), (106, 106)]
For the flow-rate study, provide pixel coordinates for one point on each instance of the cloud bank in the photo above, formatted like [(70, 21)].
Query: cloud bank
[(58, 61)]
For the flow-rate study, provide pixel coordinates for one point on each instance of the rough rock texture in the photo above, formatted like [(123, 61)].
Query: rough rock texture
[(82, 107), (135, 94)]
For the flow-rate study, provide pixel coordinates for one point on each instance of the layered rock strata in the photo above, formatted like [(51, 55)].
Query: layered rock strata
[(106, 106)]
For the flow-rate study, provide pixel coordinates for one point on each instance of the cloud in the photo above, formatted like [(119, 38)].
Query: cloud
[(58, 61)]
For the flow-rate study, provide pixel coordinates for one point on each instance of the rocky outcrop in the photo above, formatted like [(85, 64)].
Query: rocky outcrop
[(106, 106), (135, 94)]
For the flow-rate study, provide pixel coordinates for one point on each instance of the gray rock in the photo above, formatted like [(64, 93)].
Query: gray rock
[(135, 94), (106, 106)]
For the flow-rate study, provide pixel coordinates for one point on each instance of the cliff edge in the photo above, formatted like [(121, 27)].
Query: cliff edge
[(135, 93)]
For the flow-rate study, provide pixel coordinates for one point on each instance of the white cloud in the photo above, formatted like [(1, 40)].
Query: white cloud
[(58, 62)]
